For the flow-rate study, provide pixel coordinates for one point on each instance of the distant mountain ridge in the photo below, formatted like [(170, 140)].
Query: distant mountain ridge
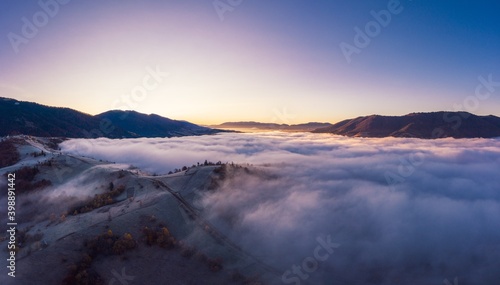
[(19, 117), (419, 125), (153, 125), (273, 126)]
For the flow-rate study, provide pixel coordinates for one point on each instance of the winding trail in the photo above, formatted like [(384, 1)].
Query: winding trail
[(212, 230)]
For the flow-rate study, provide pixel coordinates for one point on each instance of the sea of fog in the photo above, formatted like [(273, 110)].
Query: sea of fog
[(338, 210)]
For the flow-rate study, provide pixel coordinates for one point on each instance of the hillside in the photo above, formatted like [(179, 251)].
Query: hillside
[(419, 125), (84, 221), (141, 125), (18, 117)]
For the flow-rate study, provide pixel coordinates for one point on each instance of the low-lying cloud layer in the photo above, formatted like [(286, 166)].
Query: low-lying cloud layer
[(404, 211)]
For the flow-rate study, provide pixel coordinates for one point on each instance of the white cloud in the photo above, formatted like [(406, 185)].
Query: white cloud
[(437, 217)]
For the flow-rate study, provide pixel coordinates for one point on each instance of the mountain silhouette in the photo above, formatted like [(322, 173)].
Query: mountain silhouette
[(419, 125), (19, 117)]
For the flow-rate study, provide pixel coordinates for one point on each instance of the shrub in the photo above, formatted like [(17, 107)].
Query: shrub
[(27, 173), (25, 177), (99, 200), (160, 237), (106, 244), (102, 244), (126, 242), (8, 153), (215, 265), (187, 251), (109, 244), (82, 274)]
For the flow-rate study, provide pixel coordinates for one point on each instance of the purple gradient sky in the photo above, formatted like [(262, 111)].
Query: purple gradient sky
[(266, 61)]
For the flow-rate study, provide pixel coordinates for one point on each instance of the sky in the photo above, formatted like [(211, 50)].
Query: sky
[(288, 61), (401, 210)]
